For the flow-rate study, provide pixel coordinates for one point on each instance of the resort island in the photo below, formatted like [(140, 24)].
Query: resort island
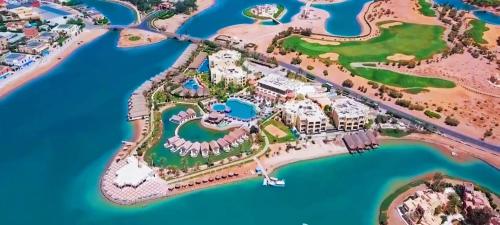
[(265, 12), (231, 109), (438, 199), (383, 92)]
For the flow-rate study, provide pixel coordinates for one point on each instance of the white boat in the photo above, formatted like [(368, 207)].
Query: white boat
[(273, 181)]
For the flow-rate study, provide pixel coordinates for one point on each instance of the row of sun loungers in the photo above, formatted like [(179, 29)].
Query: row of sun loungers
[(183, 116), (233, 139), (361, 140)]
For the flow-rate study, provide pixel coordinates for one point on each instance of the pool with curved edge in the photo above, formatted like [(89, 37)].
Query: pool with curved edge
[(240, 109)]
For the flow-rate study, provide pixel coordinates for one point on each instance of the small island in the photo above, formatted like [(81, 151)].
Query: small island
[(439, 199), (265, 11)]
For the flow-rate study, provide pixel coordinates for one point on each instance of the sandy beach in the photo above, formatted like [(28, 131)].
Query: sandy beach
[(132, 37), (173, 23), (48, 62)]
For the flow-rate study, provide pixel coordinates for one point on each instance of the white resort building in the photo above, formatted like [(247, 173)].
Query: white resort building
[(133, 174), (349, 115), (280, 88), (223, 66), (305, 116)]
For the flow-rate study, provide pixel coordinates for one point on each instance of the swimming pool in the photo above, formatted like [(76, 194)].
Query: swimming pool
[(54, 10), (236, 108), (204, 67), (191, 84)]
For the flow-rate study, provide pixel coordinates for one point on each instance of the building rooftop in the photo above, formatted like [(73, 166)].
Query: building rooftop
[(285, 84), (133, 173), (346, 107), (305, 108)]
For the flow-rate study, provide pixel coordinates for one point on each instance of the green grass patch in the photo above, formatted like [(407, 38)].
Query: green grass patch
[(477, 30), (134, 38), (426, 8), (163, 15), (281, 8), (415, 91), (281, 126), (432, 114), (394, 133), (396, 39)]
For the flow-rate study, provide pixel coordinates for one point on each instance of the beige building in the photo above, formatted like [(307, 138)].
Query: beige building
[(25, 13), (305, 116), (348, 114), (224, 67)]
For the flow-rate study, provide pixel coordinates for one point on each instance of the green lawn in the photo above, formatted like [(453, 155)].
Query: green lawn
[(426, 8), (477, 30), (421, 41), (394, 133), (281, 126), (281, 8), (134, 38)]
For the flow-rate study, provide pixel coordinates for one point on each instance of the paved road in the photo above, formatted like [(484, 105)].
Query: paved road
[(443, 130)]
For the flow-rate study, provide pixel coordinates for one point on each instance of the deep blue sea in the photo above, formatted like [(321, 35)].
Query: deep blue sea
[(58, 132)]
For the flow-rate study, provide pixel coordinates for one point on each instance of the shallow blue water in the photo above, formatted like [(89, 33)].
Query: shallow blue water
[(241, 109), (230, 12), (204, 67), (116, 13), (54, 10), (487, 17), (343, 17), (191, 84)]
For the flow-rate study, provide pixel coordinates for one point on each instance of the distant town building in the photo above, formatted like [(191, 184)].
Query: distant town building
[(68, 29), (5, 71), (224, 67), (349, 115), (12, 38), (35, 47), (30, 31), (304, 115), (17, 60), (25, 13), (47, 37), (15, 26), (4, 44)]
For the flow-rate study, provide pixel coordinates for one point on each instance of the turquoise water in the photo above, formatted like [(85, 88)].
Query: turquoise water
[(241, 109), (236, 108), (487, 17), (116, 13), (230, 12), (343, 17), (192, 131), (58, 132), (54, 10), (204, 67), (219, 107), (191, 84)]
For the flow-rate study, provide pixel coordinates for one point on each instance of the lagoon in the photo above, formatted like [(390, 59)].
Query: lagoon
[(486, 17), (343, 17)]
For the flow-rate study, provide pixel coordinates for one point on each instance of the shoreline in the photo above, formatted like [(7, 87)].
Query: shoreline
[(173, 23), (452, 149), (275, 162), (44, 65), (138, 15)]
